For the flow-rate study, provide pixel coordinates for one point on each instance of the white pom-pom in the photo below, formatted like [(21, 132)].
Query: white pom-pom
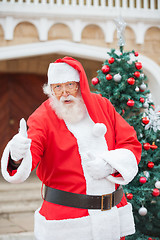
[(142, 211), (99, 130)]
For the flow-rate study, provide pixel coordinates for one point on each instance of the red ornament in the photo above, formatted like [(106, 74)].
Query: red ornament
[(105, 69), (150, 165), (153, 146), (129, 196), (146, 146), (130, 103), (137, 74), (131, 81), (136, 54), (142, 180), (123, 111), (155, 192), (111, 60), (150, 239), (145, 120), (108, 76), (138, 65), (95, 81), (141, 99), (141, 90)]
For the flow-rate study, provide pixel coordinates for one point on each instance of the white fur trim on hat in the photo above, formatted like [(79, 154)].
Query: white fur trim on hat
[(62, 73)]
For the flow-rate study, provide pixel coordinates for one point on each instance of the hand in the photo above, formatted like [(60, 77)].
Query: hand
[(97, 167), (20, 143)]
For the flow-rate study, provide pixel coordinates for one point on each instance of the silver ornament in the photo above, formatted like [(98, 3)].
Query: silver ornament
[(117, 77), (137, 89), (146, 173), (157, 184), (142, 211), (143, 86), (145, 105)]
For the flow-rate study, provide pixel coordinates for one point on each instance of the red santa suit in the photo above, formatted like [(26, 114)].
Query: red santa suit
[(60, 150)]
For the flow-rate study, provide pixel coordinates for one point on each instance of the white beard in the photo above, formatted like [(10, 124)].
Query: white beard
[(72, 112)]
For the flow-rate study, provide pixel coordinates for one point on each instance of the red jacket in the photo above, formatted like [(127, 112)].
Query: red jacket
[(58, 149), (54, 147)]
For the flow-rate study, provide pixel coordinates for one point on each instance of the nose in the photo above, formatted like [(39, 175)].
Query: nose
[(64, 92)]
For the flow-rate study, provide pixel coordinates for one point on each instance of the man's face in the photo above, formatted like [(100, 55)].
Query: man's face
[(65, 89)]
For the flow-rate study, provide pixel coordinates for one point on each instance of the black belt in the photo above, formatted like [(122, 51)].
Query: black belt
[(103, 202)]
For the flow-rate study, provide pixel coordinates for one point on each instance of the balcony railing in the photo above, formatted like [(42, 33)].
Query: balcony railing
[(125, 4), (140, 15)]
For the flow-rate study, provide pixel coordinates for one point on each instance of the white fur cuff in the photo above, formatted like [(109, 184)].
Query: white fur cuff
[(23, 170), (124, 162)]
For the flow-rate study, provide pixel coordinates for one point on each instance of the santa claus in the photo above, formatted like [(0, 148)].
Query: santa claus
[(85, 151)]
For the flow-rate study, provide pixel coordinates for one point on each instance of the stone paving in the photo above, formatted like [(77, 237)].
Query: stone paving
[(17, 205)]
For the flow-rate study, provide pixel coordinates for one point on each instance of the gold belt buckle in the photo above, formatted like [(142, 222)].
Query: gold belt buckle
[(102, 202)]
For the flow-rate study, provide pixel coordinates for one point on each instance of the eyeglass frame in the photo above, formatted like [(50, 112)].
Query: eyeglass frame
[(67, 89)]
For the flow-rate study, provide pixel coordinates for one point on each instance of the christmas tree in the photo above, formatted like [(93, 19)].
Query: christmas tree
[(122, 81)]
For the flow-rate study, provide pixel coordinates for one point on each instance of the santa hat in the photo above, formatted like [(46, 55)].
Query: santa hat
[(62, 73)]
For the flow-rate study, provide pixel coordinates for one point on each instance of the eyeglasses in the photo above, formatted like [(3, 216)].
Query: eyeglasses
[(70, 87)]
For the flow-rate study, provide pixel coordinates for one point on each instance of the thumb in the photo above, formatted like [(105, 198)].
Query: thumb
[(23, 127), (91, 156)]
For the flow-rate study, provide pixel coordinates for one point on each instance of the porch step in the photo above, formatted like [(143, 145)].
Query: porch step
[(19, 236), (18, 203), (24, 197)]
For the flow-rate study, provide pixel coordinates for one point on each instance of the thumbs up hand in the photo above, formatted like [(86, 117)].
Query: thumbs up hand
[(20, 143)]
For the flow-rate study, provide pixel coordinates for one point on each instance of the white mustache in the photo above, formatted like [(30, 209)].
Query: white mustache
[(68, 98)]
